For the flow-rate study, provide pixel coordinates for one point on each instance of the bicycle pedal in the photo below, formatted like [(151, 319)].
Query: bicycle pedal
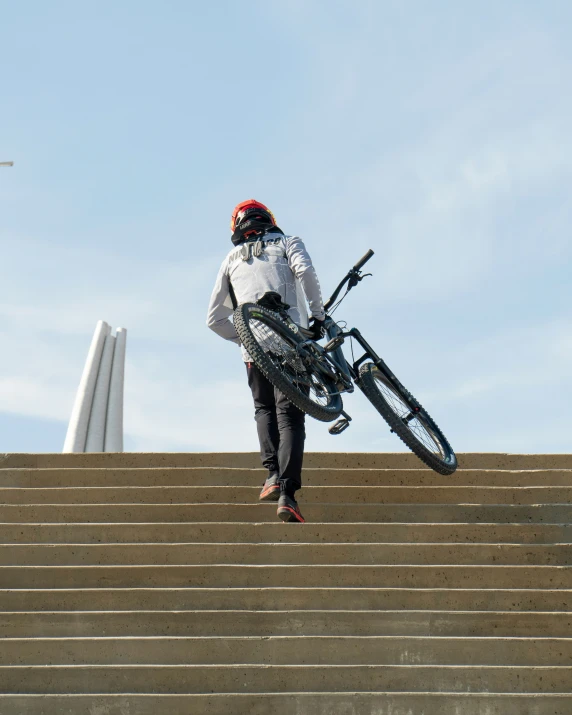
[(334, 344), (339, 426)]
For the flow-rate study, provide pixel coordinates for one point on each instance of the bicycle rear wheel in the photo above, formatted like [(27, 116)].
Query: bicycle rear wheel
[(296, 372), (407, 418)]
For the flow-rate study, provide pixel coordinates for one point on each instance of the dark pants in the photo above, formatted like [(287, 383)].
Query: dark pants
[(281, 430)]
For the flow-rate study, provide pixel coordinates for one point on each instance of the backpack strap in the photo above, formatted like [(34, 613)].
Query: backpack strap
[(232, 295)]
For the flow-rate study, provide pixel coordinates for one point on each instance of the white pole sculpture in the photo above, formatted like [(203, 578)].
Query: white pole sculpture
[(77, 431), (114, 425), (96, 428)]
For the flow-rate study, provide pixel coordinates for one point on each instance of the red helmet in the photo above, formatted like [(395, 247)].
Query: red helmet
[(248, 210)]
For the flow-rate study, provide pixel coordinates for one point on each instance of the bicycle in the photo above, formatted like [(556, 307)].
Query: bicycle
[(315, 376)]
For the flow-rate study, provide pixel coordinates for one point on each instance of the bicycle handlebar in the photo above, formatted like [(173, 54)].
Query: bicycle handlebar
[(363, 260), (352, 273)]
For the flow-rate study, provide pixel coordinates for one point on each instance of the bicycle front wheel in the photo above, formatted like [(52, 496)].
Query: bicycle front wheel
[(274, 348), (407, 418)]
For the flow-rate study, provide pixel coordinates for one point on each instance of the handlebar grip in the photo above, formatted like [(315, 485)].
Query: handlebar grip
[(362, 260)]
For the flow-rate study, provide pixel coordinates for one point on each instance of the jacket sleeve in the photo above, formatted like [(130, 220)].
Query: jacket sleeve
[(301, 265), (220, 308)]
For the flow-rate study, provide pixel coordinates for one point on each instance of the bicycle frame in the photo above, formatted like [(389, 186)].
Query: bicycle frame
[(325, 369), (337, 357)]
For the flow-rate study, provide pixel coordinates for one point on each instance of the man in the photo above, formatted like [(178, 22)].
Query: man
[(282, 265)]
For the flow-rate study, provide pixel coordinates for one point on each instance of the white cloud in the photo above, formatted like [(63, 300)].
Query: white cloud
[(74, 288), (506, 365)]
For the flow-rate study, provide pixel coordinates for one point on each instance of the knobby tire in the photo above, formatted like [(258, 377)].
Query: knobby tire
[(324, 413), (445, 464)]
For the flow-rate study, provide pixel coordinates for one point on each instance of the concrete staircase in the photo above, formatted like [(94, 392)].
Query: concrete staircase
[(142, 584)]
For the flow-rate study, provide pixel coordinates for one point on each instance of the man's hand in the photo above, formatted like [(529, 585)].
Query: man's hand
[(317, 328)]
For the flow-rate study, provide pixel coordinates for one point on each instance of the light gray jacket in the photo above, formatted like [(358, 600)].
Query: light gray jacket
[(283, 266)]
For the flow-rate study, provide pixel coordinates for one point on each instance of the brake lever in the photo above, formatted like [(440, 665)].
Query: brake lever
[(356, 278)]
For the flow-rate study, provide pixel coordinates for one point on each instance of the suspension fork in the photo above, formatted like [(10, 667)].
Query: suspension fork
[(370, 354)]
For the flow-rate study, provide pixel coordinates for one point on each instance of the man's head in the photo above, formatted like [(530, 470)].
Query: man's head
[(250, 218)]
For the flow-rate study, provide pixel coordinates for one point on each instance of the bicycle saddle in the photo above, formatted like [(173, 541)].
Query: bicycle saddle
[(273, 301)]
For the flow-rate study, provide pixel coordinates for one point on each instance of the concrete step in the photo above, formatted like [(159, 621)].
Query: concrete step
[(283, 678), (310, 495), (332, 513), (292, 704), (274, 532), (513, 624), (285, 650), (292, 554), (159, 573), (291, 599), (251, 460), (223, 576), (317, 477)]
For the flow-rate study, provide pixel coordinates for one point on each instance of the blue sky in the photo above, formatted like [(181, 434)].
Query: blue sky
[(437, 134)]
